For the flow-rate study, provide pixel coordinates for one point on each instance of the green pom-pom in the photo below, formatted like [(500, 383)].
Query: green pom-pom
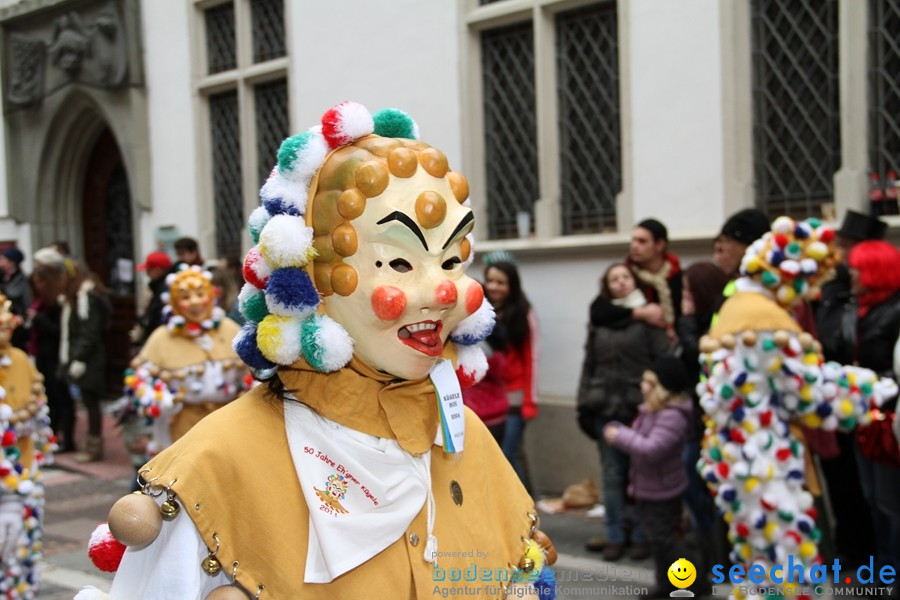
[(289, 150), (312, 349), (255, 309), (393, 122), (769, 279), (814, 223)]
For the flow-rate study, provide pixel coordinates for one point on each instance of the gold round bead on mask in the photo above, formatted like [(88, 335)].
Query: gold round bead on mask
[(434, 162), (708, 344), (351, 203), (322, 276), (459, 185), (344, 240), (431, 209), (344, 279), (465, 249), (781, 338), (324, 248), (402, 162), (727, 340), (806, 340), (372, 178)]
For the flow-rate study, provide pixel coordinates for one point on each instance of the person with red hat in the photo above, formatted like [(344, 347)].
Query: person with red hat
[(157, 265)]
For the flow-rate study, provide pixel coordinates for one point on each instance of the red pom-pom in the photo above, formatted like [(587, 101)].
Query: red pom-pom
[(251, 270), (9, 438), (466, 380), (153, 410), (783, 454), (104, 550), (346, 122), (765, 419), (781, 240), (826, 234)]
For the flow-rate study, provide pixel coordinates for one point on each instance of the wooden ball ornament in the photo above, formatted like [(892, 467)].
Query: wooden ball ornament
[(543, 540), (708, 344), (782, 338), (727, 340), (135, 520), (749, 338), (227, 592)]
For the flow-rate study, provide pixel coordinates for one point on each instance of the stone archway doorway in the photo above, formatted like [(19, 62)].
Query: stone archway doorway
[(109, 245)]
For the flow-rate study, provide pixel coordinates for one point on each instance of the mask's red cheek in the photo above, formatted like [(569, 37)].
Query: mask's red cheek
[(446, 293), (388, 303), (474, 298)]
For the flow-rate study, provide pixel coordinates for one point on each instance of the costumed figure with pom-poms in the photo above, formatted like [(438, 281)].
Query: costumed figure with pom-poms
[(355, 471), (188, 368), (764, 378), (27, 445)]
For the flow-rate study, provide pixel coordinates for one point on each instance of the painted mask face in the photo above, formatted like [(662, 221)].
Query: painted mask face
[(192, 297), (8, 323), (411, 291)]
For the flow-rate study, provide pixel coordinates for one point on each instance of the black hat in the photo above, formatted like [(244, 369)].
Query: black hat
[(658, 230), (746, 226), (671, 374), (13, 254), (860, 227)]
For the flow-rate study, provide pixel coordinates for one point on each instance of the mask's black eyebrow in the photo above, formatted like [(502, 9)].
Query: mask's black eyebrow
[(403, 218), (462, 223)]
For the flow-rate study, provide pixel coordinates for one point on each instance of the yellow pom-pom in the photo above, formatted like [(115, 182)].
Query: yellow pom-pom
[(278, 338), (807, 550), (535, 553), (749, 426), (845, 408), (753, 265), (728, 517), (812, 420), (786, 294), (806, 393), (11, 481), (770, 530), (851, 378), (130, 380), (746, 552), (775, 365), (816, 250), (811, 359), (747, 389), (751, 484)]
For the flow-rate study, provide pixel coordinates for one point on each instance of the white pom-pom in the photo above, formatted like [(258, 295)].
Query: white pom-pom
[(476, 326), (354, 121), (286, 241), (783, 225), (91, 593), (472, 362), (26, 486), (170, 278), (6, 411), (334, 343), (291, 193)]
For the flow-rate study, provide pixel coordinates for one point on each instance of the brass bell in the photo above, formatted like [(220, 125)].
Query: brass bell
[(211, 565), (526, 564), (169, 509)]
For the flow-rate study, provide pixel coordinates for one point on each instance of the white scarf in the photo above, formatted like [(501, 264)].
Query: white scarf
[(635, 299)]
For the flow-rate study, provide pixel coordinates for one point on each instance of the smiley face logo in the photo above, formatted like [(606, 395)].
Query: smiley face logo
[(682, 573)]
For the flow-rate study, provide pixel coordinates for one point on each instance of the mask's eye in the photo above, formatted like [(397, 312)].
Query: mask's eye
[(401, 265), (451, 262)]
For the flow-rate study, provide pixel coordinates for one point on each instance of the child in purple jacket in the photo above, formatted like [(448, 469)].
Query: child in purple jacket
[(658, 477)]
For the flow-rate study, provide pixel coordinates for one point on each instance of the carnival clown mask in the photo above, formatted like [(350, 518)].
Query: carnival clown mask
[(191, 298), (379, 232), (8, 322)]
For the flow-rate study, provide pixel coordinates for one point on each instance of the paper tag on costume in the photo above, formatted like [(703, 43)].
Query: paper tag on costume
[(450, 406)]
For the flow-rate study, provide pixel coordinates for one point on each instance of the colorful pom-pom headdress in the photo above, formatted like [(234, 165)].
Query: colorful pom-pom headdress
[(792, 259), (302, 232)]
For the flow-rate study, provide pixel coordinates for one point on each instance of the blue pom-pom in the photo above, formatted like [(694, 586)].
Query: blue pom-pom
[(546, 584), (777, 258), (738, 414), (824, 410), (729, 494), (246, 348), (277, 206), (291, 293), (740, 379)]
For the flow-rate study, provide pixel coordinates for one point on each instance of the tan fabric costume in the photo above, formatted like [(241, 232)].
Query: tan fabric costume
[(269, 538), (18, 380)]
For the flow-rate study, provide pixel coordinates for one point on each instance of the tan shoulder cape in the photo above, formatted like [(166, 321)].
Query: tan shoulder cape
[(18, 379), (236, 478)]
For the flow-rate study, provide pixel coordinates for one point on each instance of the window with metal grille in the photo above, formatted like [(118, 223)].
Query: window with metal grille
[(884, 86), (268, 29), (226, 163), (796, 125), (509, 126), (271, 123), (590, 141), (221, 46)]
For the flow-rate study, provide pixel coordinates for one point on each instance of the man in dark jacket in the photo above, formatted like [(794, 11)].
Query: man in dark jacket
[(15, 287), (157, 265), (836, 322)]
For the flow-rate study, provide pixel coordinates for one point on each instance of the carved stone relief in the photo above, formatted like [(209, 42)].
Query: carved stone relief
[(87, 45)]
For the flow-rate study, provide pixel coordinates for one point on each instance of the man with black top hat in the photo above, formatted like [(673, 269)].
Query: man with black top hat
[(739, 231), (836, 325)]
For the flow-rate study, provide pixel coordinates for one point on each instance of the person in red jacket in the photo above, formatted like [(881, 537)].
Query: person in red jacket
[(518, 325)]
